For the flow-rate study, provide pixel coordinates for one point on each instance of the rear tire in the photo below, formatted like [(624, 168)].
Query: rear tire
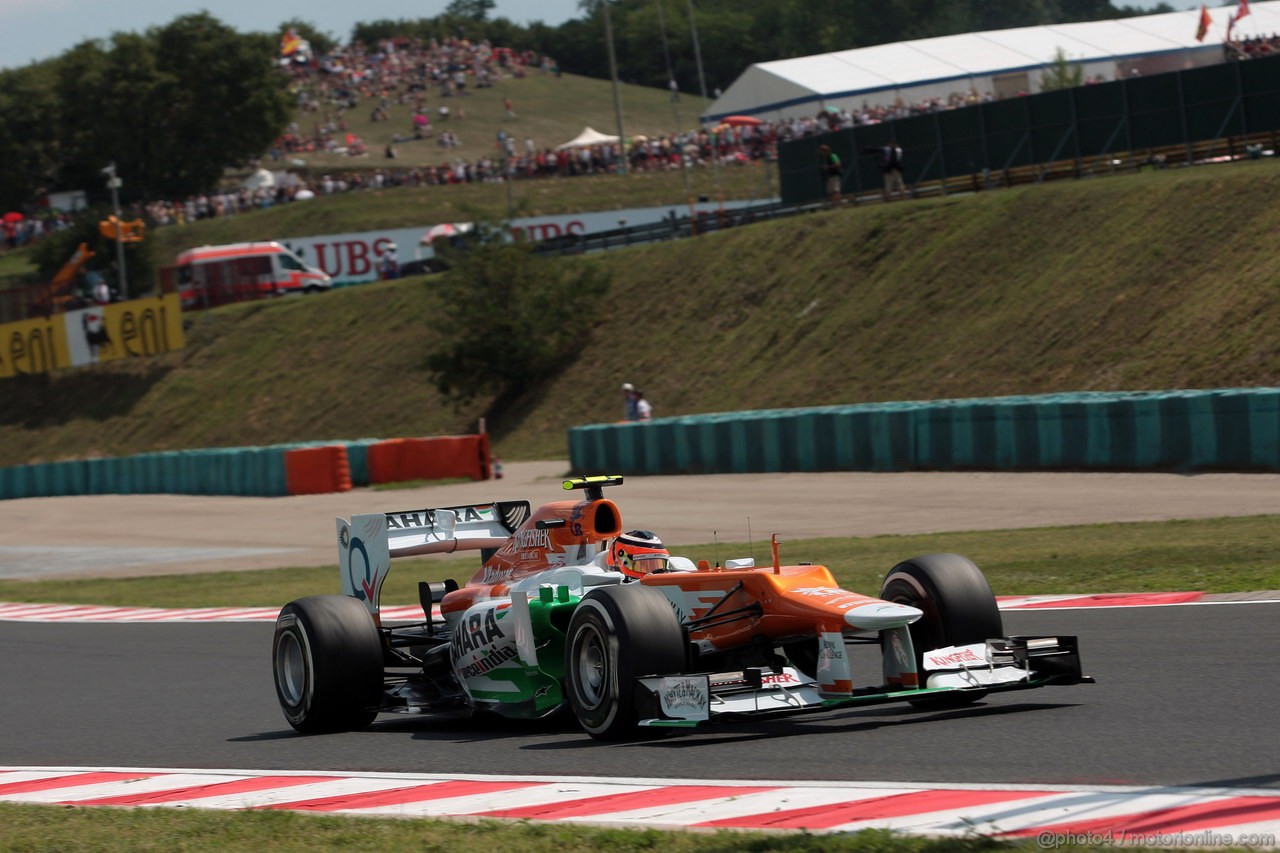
[(327, 661), (958, 608), (617, 634)]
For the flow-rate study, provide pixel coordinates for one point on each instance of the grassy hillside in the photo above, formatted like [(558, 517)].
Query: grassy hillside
[(1151, 281), (549, 110)]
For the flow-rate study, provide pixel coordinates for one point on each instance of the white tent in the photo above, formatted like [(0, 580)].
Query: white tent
[(1000, 61), (586, 138), (260, 178)]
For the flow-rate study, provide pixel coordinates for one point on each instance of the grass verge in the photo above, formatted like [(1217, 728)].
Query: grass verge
[(1209, 555), (934, 299)]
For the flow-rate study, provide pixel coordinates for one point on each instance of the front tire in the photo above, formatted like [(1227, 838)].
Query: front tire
[(617, 634), (959, 608), (327, 661)]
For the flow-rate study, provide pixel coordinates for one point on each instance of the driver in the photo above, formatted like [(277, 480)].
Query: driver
[(637, 553)]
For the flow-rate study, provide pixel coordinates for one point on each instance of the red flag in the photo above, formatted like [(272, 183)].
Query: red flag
[(1205, 22), (1243, 10)]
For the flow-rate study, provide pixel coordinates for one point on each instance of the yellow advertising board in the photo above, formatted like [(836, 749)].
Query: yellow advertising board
[(134, 329), (33, 346)]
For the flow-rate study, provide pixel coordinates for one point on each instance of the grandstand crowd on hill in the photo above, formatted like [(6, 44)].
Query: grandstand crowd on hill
[(16, 233), (406, 77), (1250, 48)]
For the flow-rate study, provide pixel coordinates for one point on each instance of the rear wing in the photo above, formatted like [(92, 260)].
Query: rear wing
[(367, 543)]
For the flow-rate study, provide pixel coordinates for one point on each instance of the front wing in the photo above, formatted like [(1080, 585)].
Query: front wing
[(1010, 663)]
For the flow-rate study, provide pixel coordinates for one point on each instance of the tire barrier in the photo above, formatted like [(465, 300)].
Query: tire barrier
[(457, 456), (317, 470), (250, 471), (1224, 429)]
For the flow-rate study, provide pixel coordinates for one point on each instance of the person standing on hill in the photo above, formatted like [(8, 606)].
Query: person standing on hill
[(832, 172), (891, 166), (644, 411), (629, 411)]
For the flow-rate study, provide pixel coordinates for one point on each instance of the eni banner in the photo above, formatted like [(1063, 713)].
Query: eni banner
[(138, 328)]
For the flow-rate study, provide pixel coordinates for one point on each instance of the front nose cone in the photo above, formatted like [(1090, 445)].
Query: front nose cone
[(881, 614)]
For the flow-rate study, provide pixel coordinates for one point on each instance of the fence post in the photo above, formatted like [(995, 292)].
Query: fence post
[(1182, 113), (1244, 113), (1075, 128), (942, 167), (1126, 118)]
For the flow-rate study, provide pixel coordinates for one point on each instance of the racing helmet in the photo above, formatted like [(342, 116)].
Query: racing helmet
[(637, 553)]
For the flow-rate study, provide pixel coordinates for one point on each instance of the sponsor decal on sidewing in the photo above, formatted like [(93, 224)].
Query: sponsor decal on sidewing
[(957, 657), (685, 697)]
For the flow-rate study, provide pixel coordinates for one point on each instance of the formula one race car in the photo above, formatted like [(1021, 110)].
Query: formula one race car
[(550, 621)]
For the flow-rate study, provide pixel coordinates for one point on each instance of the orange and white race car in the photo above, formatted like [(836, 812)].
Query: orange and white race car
[(567, 610)]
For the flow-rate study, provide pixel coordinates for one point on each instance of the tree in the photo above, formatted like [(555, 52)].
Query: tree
[(109, 98), (1061, 73), (172, 107), (28, 137), (475, 10), (509, 318), (230, 103)]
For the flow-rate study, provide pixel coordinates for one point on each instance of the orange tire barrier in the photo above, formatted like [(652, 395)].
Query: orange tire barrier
[(317, 470), (443, 458), (384, 461)]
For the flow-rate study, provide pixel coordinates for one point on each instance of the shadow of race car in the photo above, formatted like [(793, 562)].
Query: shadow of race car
[(550, 622)]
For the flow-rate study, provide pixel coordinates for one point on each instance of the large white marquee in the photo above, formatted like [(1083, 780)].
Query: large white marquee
[(1003, 62)]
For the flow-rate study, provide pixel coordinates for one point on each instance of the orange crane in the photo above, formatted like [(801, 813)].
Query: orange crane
[(57, 293)]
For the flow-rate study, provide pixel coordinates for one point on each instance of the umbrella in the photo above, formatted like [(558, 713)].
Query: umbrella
[(13, 216), (741, 121)]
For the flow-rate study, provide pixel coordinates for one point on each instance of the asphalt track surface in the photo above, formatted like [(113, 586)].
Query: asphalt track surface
[(162, 534), (1186, 695)]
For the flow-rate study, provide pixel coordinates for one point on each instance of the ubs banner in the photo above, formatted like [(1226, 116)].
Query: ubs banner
[(137, 328), (352, 258)]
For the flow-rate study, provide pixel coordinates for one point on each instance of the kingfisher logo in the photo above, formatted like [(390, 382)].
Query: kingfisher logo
[(527, 539), (954, 657)]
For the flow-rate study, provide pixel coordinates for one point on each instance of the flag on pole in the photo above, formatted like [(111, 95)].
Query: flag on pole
[(1205, 22), (289, 43), (1242, 10)]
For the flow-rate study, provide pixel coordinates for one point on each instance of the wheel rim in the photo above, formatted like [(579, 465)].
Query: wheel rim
[(291, 668), (592, 665)]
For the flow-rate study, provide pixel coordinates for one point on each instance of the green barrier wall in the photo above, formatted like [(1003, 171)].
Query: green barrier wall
[(249, 471), (1105, 120), (1226, 429)]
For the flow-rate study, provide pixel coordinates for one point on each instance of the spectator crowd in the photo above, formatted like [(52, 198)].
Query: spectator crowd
[(409, 76), (1251, 47)]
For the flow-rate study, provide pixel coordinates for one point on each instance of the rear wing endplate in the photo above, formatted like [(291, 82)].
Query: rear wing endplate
[(367, 543)]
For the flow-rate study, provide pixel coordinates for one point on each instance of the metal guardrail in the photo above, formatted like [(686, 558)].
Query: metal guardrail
[(672, 228)]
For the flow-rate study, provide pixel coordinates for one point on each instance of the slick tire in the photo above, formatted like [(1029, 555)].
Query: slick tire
[(327, 661), (617, 634), (958, 608)]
